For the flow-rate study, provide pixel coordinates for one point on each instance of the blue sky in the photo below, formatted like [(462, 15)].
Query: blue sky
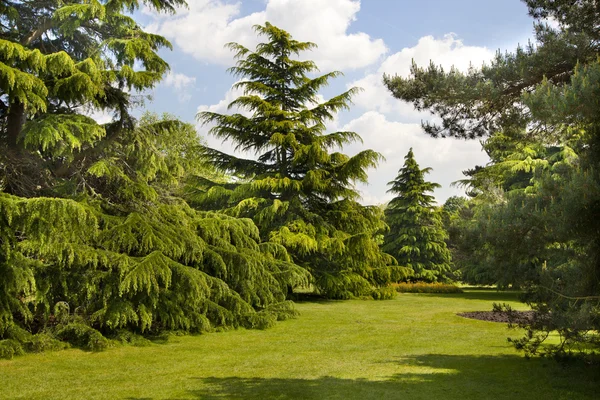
[(363, 39)]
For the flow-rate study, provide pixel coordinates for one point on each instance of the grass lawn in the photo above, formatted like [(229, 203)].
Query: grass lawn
[(413, 347)]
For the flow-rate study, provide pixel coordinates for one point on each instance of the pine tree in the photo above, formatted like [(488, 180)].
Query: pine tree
[(131, 256), (416, 236), (299, 193), (538, 107)]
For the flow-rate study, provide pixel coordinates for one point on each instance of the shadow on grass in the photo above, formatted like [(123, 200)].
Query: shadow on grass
[(432, 377), (311, 298)]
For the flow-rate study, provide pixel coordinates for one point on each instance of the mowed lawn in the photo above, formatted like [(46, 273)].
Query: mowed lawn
[(413, 347)]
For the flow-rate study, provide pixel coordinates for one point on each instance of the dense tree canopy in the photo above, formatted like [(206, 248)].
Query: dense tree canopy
[(299, 193), (57, 59), (95, 238), (416, 235), (534, 219)]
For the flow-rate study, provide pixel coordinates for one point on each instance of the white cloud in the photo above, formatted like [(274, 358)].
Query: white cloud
[(204, 28), (552, 22), (447, 52), (181, 83), (447, 157), (391, 127), (100, 116)]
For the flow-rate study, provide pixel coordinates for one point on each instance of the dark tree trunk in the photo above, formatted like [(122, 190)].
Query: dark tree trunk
[(14, 124)]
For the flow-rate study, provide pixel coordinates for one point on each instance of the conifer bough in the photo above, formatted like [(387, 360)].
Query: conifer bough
[(95, 239), (416, 236), (298, 191)]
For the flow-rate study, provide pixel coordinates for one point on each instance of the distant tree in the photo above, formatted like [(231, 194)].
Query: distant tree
[(298, 192), (416, 237)]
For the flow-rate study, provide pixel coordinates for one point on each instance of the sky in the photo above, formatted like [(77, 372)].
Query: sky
[(362, 39)]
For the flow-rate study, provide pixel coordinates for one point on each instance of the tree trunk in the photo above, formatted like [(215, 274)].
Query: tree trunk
[(14, 124)]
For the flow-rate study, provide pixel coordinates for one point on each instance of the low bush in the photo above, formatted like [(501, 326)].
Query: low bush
[(384, 293), (10, 348), (424, 287), (83, 336)]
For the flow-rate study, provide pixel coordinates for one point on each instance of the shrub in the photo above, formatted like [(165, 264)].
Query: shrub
[(44, 342), (423, 287), (10, 348), (127, 337), (82, 336), (384, 293)]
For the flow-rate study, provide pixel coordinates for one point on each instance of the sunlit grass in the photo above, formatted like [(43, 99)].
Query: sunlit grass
[(413, 347)]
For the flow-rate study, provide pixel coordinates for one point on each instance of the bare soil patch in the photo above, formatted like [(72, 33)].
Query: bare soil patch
[(514, 317)]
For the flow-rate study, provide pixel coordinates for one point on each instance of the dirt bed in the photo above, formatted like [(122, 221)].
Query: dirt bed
[(499, 316)]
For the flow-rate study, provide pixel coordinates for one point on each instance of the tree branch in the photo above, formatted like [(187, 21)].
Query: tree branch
[(36, 34)]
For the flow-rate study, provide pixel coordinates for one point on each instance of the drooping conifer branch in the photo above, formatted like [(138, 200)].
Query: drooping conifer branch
[(301, 194)]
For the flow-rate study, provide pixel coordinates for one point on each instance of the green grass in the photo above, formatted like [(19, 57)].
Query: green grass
[(413, 347)]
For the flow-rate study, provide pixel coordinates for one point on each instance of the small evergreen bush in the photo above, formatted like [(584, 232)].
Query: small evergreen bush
[(423, 287)]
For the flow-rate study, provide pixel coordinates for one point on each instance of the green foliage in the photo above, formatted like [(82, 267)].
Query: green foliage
[(533, 219), (172, 268), (10, 348), (57, 59), (95, 239), (416, 235), (384, 293), (82, 336), (425, 287), (298, 192)]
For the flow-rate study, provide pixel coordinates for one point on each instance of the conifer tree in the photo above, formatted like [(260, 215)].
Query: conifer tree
[(57, 59), (299, 192), (95, 240), (538, 106), (416, 236)]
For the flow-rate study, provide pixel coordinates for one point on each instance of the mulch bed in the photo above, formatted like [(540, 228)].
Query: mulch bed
[(499, 316)]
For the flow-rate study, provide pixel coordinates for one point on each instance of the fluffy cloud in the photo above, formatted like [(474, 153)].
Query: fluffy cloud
[(448, 51), (447, 157), (204, 28), (388, 125), (181, 83), (392, 127), (100, 116)]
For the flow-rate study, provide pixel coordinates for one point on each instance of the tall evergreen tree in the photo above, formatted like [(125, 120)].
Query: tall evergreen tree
[(94, 238), (416, 236), (299, 193)]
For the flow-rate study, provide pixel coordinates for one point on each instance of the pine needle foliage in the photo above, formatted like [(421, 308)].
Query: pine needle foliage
[(66, 262), (298, 190), (416, 236), (127, 254), (533, 221)]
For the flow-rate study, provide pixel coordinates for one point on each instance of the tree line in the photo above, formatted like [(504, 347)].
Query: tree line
[(135, 227)]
